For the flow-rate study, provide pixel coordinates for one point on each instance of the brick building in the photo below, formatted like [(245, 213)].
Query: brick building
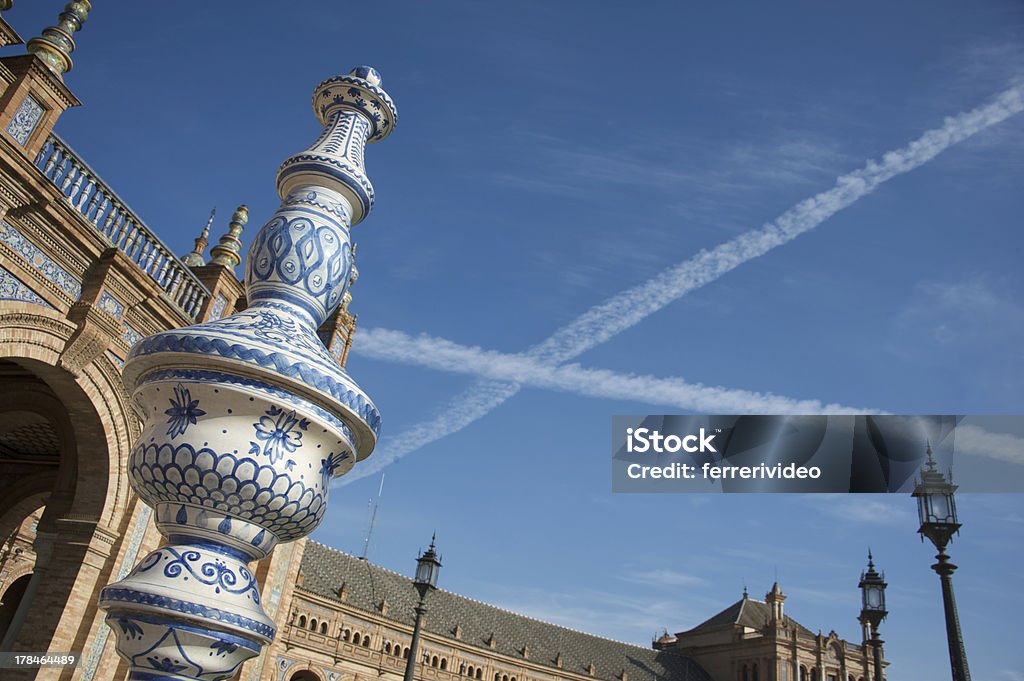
[(82, 279)]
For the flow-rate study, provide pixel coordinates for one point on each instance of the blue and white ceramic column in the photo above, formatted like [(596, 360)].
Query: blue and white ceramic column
[(248, 418)]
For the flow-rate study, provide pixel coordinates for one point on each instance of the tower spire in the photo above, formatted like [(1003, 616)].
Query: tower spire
[(55, 45), (195, 257), (228, 250)]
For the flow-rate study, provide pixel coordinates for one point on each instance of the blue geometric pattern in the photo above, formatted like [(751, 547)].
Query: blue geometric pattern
[(321, 373), (12, 288), (238, 486), (296, 253), (217, 307), (110, 305), (130, 334), (39, 260), (25, 120), (119, 594)]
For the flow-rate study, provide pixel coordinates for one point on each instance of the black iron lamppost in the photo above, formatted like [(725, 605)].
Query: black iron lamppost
[(872, 612), (428, 566), (936, 508)]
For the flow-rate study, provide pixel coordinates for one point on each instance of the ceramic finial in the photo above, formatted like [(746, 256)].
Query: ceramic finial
[(228, 251), (194, 258), (55, 45)]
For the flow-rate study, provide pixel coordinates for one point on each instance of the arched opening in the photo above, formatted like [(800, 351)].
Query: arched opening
[(304, 675), (302, 621), (312, 624), (444, 664), (323, 628), (60, 458), (10, 601), (433, 661), (405, 653), (366, 641), (479, 673), (357, 638)]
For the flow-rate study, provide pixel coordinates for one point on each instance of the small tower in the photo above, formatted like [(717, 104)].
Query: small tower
[(55, 45), (195, 257), (775, 598), (228, 251), (32, 90)]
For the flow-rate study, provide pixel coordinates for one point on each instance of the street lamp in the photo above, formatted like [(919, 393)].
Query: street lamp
[(428, 566), (872, 612), (936, 509)]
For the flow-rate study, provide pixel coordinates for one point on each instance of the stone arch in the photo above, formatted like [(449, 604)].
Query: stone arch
[(305, 675), (66, 427)]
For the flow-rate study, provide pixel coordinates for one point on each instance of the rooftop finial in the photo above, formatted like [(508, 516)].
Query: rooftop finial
[(228, 251), (195, 257), (931, 460), (55, 45), (871, 560)]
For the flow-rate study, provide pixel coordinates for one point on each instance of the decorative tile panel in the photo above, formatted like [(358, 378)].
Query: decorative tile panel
[(40, 261), (25, 120), (12, 288), (217, 308), (130, 334), (110, 305)]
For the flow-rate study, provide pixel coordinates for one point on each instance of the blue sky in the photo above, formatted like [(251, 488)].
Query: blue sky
[(547, 158)]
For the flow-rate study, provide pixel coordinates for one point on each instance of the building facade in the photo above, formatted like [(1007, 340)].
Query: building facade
[(82, 280)]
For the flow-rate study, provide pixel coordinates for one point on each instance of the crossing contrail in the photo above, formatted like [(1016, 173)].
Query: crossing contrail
[(630, 307), (527, 371)]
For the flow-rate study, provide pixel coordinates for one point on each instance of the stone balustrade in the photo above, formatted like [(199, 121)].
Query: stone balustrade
[(119, 225)]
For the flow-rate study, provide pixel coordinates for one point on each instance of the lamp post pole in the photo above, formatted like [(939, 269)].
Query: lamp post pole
[(428, 566), (936, 508), (872, 586)]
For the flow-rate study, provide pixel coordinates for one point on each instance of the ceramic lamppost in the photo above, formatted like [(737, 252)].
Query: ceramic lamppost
[(248, 418)]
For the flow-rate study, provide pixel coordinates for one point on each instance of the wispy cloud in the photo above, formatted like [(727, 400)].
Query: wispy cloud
[(976, 441), (629, 308), (861, 509), (526, 370), (664, 577)]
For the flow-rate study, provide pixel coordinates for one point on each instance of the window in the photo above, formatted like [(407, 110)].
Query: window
[(357, 638), (323, 628), (366, 641), (744, 676), (444, 663), (479, 673), (346, 634), (302, 621), (312, 624), (387, 647)]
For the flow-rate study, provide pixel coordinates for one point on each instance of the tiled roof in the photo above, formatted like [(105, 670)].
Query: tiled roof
[(745, 612), (325, 570)]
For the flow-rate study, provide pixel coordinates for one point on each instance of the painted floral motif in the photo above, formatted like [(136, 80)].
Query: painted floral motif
[(327, 468), (281, 431), (184, 412)]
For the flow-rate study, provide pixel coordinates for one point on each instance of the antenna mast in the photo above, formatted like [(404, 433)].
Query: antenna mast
[(373, 519)]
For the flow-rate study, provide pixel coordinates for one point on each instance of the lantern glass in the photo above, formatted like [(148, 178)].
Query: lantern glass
[(874, 597), (426, 571)]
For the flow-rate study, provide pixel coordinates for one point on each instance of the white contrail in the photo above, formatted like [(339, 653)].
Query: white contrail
[(524, 370), (626, 309)]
